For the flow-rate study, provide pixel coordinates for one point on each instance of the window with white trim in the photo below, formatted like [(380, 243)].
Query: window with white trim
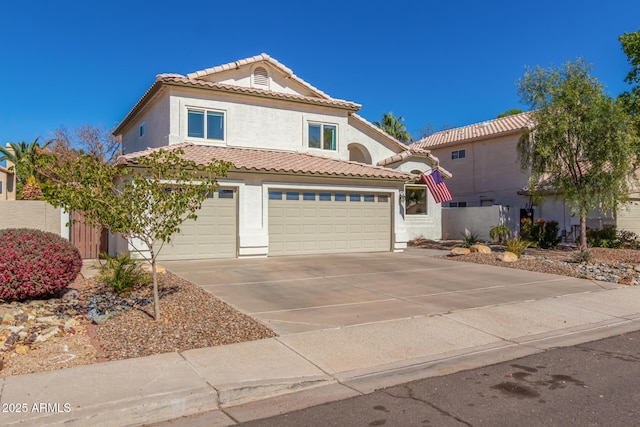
[(458, 154), (323, 136), (205, 124), (457, 204), (415, 200)]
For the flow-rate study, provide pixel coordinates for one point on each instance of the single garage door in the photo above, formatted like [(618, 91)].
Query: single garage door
[(212, 235), (307, 222), (629, 217)]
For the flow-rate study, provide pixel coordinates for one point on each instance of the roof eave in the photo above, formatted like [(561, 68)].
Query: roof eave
[(344, 105), (142, 102), (473, 139)]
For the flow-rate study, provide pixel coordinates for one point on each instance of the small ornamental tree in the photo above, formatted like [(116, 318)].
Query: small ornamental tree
[(144, 200), (583, 142)]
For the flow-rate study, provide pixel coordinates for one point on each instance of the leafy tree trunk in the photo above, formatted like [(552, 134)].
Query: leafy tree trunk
[(156, 298), (583, 231)]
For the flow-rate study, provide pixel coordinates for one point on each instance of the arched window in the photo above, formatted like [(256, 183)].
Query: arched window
[(358, 153)]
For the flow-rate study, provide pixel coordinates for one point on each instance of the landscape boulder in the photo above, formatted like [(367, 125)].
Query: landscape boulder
[(508, 257), (483, 249), (459, 251)]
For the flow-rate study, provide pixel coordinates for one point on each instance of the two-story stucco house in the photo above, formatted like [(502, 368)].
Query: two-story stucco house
[(7, 184), (310, 175), (483, 160)]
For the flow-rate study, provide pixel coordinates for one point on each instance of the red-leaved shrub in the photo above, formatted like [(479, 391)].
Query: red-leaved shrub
[(35, 263)]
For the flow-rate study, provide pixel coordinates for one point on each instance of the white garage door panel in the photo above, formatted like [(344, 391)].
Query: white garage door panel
[(212, 235), (328, 226), (629, 217)]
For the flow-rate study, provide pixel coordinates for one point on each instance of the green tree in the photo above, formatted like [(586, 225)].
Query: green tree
[(631, 99), (145, 200), (582, 143), (511, 112), (27, 159), (394, 127)]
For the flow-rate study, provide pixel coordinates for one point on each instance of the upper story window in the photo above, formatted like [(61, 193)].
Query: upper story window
[(142, 129), (206, 124), (458, 154), (323, 136)]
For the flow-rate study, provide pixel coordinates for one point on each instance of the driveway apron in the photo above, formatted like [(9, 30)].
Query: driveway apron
[(305, 293)]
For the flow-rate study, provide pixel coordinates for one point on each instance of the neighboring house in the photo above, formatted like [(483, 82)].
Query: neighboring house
[(7, 184), (310, 175), (484, 161)]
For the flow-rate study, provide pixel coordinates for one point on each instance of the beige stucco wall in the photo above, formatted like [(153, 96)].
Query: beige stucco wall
[(7, 185), (155, 118), (251, 122), (477, 220), (33, 214), (490, 171)]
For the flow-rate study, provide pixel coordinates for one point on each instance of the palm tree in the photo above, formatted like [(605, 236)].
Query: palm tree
[(26, 159), (393, 126)]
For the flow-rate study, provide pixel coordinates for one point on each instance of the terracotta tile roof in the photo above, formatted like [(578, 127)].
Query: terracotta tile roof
[(185, 81), (277, 161), (263, 57), (491, 128), (163, 80), (412, 151)]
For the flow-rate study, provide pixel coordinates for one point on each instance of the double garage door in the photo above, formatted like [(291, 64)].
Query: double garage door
[(317, 222), (300, 222), (212, 235)]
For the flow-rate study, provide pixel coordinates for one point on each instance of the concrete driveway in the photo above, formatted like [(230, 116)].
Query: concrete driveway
[(304, 293)]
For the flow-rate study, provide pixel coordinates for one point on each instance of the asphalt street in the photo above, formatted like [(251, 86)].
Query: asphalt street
[(592, 384)]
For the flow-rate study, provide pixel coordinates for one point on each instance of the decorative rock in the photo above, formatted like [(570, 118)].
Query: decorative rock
[(459, 251), (629, 280), (69, 295), (22, 349), (507, 257), (637, 268), (483, 249)]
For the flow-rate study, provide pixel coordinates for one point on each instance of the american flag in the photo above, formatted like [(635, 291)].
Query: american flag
[(436, 185)]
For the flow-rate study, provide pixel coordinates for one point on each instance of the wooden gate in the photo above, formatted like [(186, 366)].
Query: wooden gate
[(90, 241)]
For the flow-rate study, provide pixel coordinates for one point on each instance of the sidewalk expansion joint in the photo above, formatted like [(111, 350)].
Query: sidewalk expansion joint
[(333, 377), (193, 368)]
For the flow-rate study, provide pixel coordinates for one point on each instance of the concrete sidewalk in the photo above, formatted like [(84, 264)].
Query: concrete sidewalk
[(252, 380)]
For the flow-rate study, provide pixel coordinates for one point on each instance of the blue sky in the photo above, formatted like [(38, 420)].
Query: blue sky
[(446, 63)]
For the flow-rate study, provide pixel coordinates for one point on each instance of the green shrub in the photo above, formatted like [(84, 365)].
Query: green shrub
[(540, 233), (517, 246), (628, 239), (500, 232), (469, 238), (609, 237), (549, 238), (35, 264), (122, 273)]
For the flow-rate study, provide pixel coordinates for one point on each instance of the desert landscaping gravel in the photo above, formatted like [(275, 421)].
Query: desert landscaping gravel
[(193, 318), (190, 318)]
